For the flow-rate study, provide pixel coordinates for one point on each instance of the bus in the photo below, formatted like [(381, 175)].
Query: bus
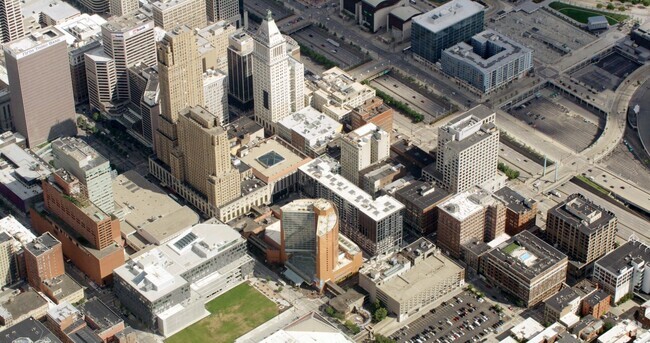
[(331, 41)]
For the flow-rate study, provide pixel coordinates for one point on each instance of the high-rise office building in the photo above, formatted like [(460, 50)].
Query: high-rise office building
[(8, 261), (202, 158), (36, 65), (92, 169), (444, 26), (169, 14), (310, 241), (582, 230), (468, 150), (11, 21), (276, 74), (128, 40), (215, 92), (101, 79), (374, 224), (95, 6), (181, 85), (119, 8), (361, 148), (240, 68), (43, 259), (227, 10), (471, 215), (213, 45)]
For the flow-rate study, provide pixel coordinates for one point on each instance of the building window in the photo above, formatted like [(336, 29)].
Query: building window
[(266, 100)]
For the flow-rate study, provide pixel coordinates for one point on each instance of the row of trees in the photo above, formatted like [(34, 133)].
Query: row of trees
[(317, 58), (510, 173), (415, 116)]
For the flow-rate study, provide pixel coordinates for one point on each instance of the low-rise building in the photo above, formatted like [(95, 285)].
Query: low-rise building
[(242, 133), (552, 333), (526, 267), (421, 200), (16, 306), (311, 327), (167, 286), (309, 130), (377, 176), (562, 307), (101, 319), (588, 328), (373, 111), (411, 279), (622, 272), (29, 329), (276, 163), (336, 93), (623, 331), (596, 304), (526, 330), (63, 289), (596, 23), (21, 172)]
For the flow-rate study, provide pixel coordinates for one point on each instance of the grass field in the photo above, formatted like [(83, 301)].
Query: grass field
[(232, 314), (510, 248), (581, 15)]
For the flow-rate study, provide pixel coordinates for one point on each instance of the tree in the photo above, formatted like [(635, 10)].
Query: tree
[(599, 6), (379, 315), (383, 339), (610, 6), (354, 328)]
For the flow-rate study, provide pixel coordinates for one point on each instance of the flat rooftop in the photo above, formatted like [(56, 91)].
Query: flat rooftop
[(313, 126), (405, 13), (15, 229), (402, 280), (63, 286), (31, 329), (242, 127), (422, 194), (100, 314), (562, 298), (527, 255), (82, 28), (128, 22), (273, 156), (623, 256), (448, 14), (144, 206), (23, 165), (23, 303), (41, 244), (34, 42), (505, 50), (79, 151), (376, 209), (157, 271), (514, 200), (463, 205), (582, 213)]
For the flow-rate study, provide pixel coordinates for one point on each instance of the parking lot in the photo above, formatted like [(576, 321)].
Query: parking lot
[(259, 8), (549, 36), (608, 73), (561, 119), (319, 40), (463, 318), (415, 99)]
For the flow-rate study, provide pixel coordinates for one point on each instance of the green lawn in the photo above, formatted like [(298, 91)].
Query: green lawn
[(581, 15), (510, 248), (232, 314)]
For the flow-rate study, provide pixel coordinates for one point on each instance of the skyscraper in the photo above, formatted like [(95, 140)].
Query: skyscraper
[(227, 10), (215, 91), (240, 68), (92, 169), (11, 21), (37, 65), (8, 265), (310, 241), (169, 14), (202, 158), (361, 148), (181, 84), (101, 79), (468, 150), (128, 40), (273, 76)]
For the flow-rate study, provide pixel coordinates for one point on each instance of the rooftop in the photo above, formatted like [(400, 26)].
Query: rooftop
[(313, 126), (488, 49), (77, 149), (59, 10), (22, 304), (527, 329), (422, 194), (62, 311), (42, 244), (30, 329), (448, 14), (582, 213), (100, 314), (527, 255), (309, 328), (136, 196), (81, 29), (400, 278), (34, 42), (85, 335), (514, 201), (272, 157), (405, 13), (15, 229), (21, 171), (562, 299), (62, 286), (462, 205), (133, 23), (325, 223), (158, 270), (377, 209), (242, 127), (621, 258)]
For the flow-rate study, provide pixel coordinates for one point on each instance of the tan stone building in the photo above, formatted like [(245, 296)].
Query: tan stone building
[(181, 85), (169, 14), (202, 158)]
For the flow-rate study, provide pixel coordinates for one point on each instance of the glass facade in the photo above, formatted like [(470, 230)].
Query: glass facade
[(429, 45)]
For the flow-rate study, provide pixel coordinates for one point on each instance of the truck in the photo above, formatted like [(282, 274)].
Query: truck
[(333, 42)]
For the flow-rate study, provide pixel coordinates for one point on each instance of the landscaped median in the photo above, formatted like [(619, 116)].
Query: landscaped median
[(232, 314), (582, 15)]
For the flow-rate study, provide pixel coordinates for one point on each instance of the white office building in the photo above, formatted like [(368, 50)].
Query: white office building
[(624, 270), (215, 94), (361, 148)]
